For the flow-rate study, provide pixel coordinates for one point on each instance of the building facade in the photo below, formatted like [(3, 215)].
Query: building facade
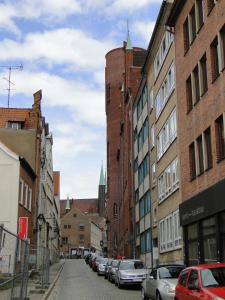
[(199, 28), (122, 73)]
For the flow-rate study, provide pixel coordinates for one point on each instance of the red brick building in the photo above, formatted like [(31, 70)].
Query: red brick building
[(199, 28), (20, 131), (122, 76)]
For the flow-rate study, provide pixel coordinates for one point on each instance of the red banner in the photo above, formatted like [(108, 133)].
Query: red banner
[(23, 228)]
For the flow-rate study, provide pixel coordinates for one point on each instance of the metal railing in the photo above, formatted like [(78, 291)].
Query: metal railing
[(14, 256)]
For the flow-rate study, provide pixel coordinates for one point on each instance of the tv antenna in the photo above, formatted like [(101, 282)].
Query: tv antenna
[(10, 68)]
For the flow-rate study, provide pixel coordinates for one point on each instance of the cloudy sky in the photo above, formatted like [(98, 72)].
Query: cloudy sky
[(62, 45)]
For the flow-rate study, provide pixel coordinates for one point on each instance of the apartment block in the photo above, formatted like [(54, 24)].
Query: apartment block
[(157, 186), (199, 31)]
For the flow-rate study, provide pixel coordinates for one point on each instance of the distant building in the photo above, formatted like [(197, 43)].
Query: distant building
[(199, 28)]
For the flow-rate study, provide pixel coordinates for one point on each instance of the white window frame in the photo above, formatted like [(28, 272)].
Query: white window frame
[(167, 134), (165, 90), (30, 200), (153, 136), (151, 99), (166, 186), (170, 237), (153, 174), (21, 191)]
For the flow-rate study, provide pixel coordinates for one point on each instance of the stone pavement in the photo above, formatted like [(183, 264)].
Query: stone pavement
[(35, 291)]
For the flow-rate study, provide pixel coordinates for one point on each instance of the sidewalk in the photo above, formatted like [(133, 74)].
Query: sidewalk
[(34, 291)]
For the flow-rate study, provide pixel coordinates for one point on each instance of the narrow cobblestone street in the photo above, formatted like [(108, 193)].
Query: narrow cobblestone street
[(77, 281)]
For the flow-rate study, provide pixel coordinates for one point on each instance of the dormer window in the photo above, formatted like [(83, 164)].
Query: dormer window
[(14, 125)]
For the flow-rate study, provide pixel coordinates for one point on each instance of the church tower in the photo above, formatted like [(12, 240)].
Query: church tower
[(101, 194)]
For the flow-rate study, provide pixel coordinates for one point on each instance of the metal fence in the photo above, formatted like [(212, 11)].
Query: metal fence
[(14, 256)]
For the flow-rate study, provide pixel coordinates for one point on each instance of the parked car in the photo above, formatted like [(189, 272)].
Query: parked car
[(91, 258), (130, 271), (202, 282), (161, 282), (112, 269), (101, 266), (107, 267), (95, 263), (87, 257)]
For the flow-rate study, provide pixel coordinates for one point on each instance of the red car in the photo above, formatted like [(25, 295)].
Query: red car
[(205, 282)]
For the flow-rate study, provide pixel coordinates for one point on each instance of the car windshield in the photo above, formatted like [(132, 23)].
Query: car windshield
[(103, 260), (131, 265), (114, 263), (170, 272), (214, 277)]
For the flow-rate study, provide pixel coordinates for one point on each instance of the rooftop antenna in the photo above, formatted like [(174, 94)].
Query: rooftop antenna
[(10, 68)]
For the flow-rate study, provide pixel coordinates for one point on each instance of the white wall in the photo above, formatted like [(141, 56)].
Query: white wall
[(9, 188)]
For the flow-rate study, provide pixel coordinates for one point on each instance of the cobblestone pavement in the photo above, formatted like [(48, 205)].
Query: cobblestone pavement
[(78, 282)]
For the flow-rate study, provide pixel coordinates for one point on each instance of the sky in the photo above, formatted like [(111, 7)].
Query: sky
[(62, 45)]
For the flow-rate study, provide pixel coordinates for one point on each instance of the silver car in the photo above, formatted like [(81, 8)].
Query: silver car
[(130, 271), (112, 270), (161, 283), (101, 266)]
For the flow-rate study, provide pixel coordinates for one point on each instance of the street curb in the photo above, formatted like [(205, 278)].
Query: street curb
[(49, 290)]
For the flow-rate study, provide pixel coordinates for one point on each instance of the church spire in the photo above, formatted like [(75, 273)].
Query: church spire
[(102, 177), (129, 43), (67, 204)]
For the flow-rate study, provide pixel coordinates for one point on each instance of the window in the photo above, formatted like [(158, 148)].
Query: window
[(186, 36), (137, 228), (151, 100), (65, 226), (193, 282), (168, 181), (25, 190), (196, 85), (29, 203), (146, 166), (74, 215), (136, 195), (147, 202), (21, 191), (143, 245), (162, 52), (14, 125), (136, 165), (153, 175), (115, 210), (145, 130), (192, 161), (148, 241), (170, 232), (222, 46), (167, 134), (69, 226), (65, 240), (144, 96), (183, 279), (200, 155), (142, 207), (203, 75), (199, 14), (140, 139), (81, 227), (220, 138), (165, 90), (208, 149), (209, 240), (140, 174), (81, 237), (139, 108), (189, 94), (192, 24), (153, 136), (215, 59)]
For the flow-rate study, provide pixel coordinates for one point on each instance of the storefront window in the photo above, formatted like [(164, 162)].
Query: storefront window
[(209, 240), (192, 232), (222, 235)]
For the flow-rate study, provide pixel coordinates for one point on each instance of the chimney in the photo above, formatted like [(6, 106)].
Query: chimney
[(37, 101)]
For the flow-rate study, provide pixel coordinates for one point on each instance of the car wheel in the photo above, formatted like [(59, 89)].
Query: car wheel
[(158, 296), (143, 295), (119, 285)]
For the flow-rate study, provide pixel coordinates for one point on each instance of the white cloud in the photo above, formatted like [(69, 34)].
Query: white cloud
[(61, 46), (144, 30), (54, 10), (120, 6), (81, 98)]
